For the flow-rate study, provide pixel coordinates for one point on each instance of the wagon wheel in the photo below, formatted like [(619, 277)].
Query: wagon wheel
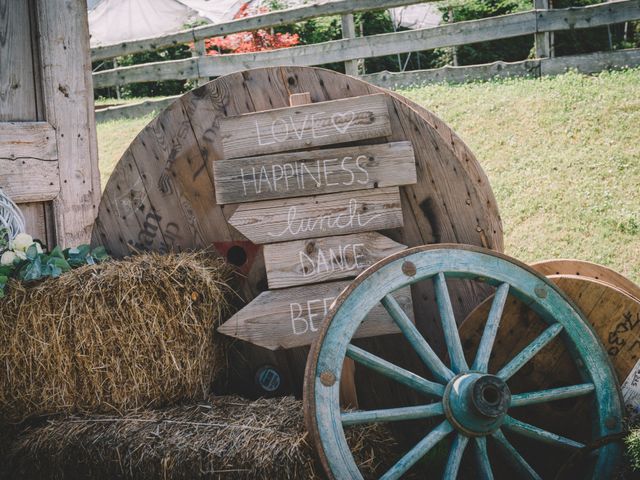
[(468, 403)]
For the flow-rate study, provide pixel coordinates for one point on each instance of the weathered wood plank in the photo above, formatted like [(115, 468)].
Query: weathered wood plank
[(314, 172), (320, 216), (305, 126), (271, 19), (291, 317), (27, 140), (68, 107), (29, 179), (322, 259)]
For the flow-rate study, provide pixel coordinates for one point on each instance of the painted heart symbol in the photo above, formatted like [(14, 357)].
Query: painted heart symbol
[(342, 121)]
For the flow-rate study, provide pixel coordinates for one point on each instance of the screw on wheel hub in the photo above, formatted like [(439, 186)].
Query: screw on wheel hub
[(476, 404)]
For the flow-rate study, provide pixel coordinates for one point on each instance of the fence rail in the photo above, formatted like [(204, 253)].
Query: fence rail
[(449, 35)]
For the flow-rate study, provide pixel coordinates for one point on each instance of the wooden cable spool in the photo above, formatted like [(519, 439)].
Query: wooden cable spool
[(161, 196)]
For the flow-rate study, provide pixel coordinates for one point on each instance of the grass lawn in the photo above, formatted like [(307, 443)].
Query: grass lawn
[(562, 154)]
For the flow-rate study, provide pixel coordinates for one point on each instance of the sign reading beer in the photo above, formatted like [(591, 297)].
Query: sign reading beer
[(317, 210)]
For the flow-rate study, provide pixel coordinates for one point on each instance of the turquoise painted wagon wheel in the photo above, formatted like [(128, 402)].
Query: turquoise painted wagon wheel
[(467, 404)]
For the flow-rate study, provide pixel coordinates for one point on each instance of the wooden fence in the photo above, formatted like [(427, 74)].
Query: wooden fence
[(538, 22)]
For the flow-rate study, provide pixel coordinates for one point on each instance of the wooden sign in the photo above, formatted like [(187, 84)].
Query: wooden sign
[(314, 172), (291, 317), (319, 216), (321, 259), (305, 126)]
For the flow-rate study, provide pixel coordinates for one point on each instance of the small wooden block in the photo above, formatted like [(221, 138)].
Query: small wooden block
[(331, 258), (305, 126), (291, 317), (299, 99), (319, 216), (315, 172)]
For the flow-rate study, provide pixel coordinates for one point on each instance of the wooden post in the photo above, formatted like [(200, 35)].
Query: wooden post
[(115, 65), (454, 50), (542, 40), (349, 31), (200, 51)]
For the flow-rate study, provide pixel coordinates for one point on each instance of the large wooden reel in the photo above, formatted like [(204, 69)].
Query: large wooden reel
[(161, 197)]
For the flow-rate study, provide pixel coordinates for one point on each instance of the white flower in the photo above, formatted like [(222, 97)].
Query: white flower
[(22, 242), (21, 255), (7, 258)]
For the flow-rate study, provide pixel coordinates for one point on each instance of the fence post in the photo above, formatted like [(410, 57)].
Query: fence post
[(349, 31), (200, 50), (542, 40)]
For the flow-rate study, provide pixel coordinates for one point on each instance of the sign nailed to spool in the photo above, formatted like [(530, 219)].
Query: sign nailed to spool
[(317, 210)]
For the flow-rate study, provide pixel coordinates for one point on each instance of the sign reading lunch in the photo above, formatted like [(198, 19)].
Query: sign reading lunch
[(317, 211)]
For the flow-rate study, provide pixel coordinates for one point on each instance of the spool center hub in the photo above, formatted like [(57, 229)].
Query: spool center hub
[(476, 403)]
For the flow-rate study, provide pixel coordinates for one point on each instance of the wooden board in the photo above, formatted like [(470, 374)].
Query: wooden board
[(451, 201), (322, 259), (587, 269), (314, 172), (319, 216), (305, 126), (291, 317), (27, 140), (615, 317)]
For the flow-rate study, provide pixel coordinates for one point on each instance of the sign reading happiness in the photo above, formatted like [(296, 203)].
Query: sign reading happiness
[(317, 209)]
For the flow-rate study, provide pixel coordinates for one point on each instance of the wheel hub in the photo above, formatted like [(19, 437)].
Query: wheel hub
[(476, 403)]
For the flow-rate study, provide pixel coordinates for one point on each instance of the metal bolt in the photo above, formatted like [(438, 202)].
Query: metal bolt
[(541, 292), (409, 269), (327, 378)]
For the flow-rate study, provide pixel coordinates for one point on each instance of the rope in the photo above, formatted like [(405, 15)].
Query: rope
[(11, 217)]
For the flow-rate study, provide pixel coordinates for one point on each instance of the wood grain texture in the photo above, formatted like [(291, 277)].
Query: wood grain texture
[(27, 140), (319, 216), (314, 172), (68, 107), (305, 126), (29, 179), (452, 201), (322, 259), (291, 317)]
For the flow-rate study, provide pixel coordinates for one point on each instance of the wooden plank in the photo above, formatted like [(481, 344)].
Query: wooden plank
[(68, 107), (591, 62), (271, 19), (29, 179), (134, 110), (291, 317), (17, 81), (305, 126), (314, 172), (27, 140), (336, 213), (591, 16), (331, 258)]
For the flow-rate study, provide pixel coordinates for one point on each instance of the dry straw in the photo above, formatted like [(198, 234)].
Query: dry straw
[(114, 337), (227, 437)]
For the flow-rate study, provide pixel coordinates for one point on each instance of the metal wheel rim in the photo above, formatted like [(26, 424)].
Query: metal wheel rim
[(322, 410)]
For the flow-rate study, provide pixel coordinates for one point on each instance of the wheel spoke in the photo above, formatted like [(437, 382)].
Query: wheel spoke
[(451, 337), (393, 414), (514, 457), (536, 433), (481, 362), (419, 451), (529, 352), (482, 455), (550, 395), (394, 372), (455, 457), (417, 341)]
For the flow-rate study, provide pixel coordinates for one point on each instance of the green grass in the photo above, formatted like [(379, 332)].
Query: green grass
[(562, 155)]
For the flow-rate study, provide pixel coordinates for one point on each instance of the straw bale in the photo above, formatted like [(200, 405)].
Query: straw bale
[(225, 437), (114, 337)]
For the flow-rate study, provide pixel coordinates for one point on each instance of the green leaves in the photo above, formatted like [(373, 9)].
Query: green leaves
[(38, 265)]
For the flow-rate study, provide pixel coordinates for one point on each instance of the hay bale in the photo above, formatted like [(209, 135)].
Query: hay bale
[(113, 337), (227, 437)]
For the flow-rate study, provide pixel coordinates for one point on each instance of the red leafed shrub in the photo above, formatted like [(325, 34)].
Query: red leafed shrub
[(244, 42)]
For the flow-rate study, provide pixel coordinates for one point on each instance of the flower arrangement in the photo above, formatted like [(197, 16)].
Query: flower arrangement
[(25, 259)]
